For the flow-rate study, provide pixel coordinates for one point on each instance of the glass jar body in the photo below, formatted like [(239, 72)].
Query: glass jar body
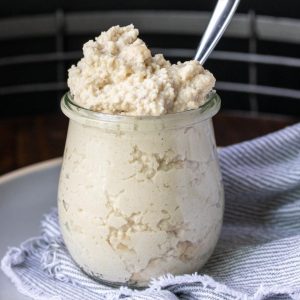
[(136, 204)]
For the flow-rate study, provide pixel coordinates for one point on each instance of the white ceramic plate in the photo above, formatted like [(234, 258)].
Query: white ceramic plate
[(25, 195)]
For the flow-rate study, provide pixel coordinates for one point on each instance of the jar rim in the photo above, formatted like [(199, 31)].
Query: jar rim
[(205, 111)]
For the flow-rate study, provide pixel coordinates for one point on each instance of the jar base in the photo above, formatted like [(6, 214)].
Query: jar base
[(112, 283)]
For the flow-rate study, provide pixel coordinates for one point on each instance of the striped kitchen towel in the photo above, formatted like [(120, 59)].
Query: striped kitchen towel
[(257, 257)]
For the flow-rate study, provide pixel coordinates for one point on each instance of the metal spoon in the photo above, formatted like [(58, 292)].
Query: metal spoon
[(219, 21)]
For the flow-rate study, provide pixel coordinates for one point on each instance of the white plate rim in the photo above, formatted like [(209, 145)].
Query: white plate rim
[(10, 176)]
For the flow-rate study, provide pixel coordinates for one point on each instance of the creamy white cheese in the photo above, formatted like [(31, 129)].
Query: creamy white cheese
[(138, 204), (138, 197), (118, 75)]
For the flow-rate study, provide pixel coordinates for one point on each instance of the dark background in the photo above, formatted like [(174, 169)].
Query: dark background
[(287, 8), (28, 103)]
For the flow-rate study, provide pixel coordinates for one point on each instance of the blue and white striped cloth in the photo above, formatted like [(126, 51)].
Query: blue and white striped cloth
[(257, 257)]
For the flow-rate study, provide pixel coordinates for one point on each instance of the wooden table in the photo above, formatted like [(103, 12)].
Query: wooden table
[(30, 139)]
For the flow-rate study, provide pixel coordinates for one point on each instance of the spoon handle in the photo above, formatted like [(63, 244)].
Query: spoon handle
[(219, 21)]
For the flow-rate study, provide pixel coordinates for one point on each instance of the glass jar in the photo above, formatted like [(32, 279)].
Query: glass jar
[(140, 196)]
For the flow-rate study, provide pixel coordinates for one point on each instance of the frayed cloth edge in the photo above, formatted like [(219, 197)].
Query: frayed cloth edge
[(23, 288), (156, 284)]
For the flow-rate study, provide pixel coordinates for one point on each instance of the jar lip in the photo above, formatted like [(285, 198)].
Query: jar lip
[(207, 110)]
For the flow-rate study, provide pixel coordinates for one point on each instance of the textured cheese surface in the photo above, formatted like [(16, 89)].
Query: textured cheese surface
[(118, 75), (135, 205)]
